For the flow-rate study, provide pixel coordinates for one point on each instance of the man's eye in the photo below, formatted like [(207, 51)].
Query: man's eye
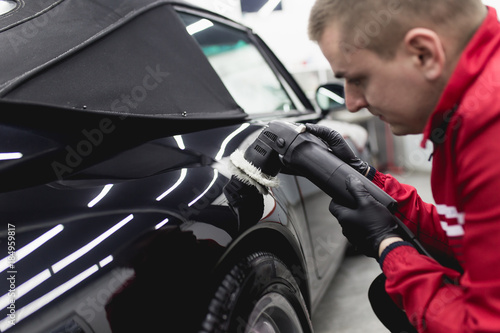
[(354, 82)]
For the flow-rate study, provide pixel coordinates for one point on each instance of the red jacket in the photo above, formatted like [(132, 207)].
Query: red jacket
[(465, 222)]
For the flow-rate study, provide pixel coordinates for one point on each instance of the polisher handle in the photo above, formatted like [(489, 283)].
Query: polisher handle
[(311, 158), (306, 155)]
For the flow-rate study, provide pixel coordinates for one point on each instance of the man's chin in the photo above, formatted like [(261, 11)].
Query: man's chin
[(400, 130)]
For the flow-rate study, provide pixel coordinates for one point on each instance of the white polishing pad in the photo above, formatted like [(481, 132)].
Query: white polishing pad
[(250, 174)]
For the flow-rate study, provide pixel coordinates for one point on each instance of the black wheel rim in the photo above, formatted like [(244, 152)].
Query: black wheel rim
[(273, 313)]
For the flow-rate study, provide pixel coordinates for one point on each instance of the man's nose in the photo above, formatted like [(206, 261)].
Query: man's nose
[(354, 102)]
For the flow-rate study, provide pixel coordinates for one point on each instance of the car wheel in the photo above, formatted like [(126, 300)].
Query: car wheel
[(258, 295)]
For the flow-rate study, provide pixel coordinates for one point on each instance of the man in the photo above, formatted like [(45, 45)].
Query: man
[(431, 67)]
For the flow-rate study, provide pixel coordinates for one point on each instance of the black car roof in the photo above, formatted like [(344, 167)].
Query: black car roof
[(130, 57)]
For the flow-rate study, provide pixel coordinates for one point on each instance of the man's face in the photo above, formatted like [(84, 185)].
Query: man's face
[(394, 90)]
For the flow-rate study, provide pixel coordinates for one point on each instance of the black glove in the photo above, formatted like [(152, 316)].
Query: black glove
[(369, 223), (339, 147)]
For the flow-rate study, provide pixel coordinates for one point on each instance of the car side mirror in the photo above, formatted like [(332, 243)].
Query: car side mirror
[(330, 97)]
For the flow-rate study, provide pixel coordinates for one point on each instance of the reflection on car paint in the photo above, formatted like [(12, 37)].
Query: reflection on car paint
[(216, 174), (100, 196), (226, 141), (39, 303), (85, 249), (30, 247), (173, 187), (180, 143), (10, 156), (202, 200), (161, 224)]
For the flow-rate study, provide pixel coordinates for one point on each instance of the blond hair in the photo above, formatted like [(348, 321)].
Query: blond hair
[(379, 25)]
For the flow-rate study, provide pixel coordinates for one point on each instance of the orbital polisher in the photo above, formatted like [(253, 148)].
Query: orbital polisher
[(284, 145)]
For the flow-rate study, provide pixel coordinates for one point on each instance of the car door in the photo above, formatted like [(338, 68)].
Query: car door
[(261, 86)]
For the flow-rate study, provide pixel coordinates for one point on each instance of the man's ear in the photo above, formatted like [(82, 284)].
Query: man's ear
[(427, 50)]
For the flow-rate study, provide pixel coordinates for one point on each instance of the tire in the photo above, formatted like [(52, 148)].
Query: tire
[(258, 295)]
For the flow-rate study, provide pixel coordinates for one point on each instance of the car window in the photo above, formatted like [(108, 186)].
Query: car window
[(240, 65)]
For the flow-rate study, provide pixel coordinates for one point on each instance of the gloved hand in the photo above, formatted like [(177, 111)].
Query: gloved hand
[(339, 147), (369, 223)]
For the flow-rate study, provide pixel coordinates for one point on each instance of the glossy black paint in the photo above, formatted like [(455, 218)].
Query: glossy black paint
[(147, 184), (86, 209)]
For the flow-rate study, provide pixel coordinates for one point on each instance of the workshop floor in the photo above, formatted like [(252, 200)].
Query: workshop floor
[(345, 307)]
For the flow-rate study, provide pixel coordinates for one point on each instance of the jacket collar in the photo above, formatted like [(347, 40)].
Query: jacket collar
[(472, 61)]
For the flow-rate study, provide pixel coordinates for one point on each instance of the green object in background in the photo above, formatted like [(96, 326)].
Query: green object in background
[(219, 49)]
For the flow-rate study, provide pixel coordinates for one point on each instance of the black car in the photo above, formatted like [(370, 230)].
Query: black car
[(117, 119)]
